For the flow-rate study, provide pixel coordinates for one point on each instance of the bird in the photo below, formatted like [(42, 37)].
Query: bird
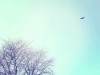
[(82, 18)]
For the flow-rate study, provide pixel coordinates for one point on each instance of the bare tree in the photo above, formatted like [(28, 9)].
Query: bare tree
[(17, 58)]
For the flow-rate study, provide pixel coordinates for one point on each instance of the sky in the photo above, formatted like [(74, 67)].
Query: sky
[(56, 26)]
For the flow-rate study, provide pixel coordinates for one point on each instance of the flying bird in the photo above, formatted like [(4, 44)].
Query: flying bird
[(82, 18)]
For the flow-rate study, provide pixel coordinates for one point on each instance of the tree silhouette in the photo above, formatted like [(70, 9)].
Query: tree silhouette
[(17, 58)]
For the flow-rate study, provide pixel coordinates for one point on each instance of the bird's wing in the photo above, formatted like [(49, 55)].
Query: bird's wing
[(82, 18)]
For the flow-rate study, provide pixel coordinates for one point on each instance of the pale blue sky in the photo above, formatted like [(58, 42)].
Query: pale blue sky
[(56, 25)]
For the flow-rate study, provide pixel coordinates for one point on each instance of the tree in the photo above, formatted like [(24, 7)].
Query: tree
[(17, 58)]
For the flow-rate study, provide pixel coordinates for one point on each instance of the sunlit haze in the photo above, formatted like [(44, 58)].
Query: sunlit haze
[(56, 26)]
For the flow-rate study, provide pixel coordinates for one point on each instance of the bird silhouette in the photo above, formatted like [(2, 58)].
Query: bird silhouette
[(82, 18)]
